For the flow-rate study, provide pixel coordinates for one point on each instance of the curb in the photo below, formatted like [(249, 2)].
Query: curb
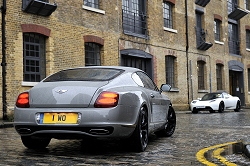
[(6, 124)]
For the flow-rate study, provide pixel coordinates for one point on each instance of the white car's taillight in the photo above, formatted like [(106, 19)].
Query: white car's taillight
[(23, 100), (107, 99)]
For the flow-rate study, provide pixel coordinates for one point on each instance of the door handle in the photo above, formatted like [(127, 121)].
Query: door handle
[(152, 95)]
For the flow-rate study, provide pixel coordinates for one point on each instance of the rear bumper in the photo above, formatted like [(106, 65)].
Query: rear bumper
[(75, 132), (95, 122)]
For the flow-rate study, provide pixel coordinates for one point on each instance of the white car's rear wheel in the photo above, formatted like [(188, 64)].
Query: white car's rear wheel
[(238, 106), (221, 107)]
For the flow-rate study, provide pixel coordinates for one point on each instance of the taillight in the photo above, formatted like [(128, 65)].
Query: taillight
[(107, 99), (23, 100)]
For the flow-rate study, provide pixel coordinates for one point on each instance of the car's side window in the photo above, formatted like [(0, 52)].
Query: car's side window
[(137, 79), (147, 82)]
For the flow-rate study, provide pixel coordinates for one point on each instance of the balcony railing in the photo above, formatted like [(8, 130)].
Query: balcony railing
[(39, 7), (235, 12), (202, 44), (202, 3)]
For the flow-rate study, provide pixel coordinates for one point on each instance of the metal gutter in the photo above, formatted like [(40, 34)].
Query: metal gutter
[(3, 64)]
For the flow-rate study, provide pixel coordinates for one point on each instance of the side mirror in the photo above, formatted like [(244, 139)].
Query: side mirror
[(165, 88)]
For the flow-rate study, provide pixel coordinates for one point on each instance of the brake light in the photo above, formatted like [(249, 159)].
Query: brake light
[(107, 99), (23, 100)]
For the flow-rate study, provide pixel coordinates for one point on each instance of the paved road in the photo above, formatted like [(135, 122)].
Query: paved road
[(194, 133)]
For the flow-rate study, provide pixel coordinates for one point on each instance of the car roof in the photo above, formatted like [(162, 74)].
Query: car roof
[(127, 69)]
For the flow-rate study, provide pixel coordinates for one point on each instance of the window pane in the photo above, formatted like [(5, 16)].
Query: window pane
[(92, 3), (170, 75), (217, 24), (219, 76), (92, 54), (248, 80), (34, 57), (167, 15), (248, 39), (134, 16), (201, 73)]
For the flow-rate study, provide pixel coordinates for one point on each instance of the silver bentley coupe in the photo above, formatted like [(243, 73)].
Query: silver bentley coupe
[(107, 102)]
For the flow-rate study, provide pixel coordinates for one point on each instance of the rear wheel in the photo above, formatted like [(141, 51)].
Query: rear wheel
[(32, 143), (212, 111), (238, 106), (169, 127), (221, 107), (140, 135)]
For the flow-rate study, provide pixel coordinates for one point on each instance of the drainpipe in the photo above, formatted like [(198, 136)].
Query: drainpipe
[(187, 47), (3, 64)]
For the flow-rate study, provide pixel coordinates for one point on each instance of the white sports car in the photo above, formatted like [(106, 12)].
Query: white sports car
[(216, 101)]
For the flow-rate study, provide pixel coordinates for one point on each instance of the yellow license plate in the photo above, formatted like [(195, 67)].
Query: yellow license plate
[(64, 118)]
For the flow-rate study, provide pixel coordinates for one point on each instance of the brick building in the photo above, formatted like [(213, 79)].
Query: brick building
[(196, 46)]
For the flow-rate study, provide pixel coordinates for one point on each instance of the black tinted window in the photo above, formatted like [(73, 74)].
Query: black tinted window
[(211, 96), (147, 82), (84, 74)]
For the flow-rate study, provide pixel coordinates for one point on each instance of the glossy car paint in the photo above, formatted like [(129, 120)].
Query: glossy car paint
[(230, 102), (80, 96)]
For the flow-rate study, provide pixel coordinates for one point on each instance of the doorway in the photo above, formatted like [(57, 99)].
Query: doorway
[(236, 85)]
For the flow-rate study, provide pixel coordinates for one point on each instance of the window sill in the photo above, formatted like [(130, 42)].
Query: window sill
[(248, 49), (219, 42), (174, 90), (29, 83), (135, 34), (93, 9), (170, 30), (203, 91)]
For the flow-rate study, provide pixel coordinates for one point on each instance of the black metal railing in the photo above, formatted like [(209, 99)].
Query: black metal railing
[(234, 47), (39, 7), (134, 22)]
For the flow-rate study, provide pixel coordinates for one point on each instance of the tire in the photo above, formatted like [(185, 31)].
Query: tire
[(169, 127), (32, 143), (238, 107), (212, 111), (140, 135), (195, 111), (221, 107)]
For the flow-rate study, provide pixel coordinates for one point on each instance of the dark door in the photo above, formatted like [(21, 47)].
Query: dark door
[(200, 34), (236, 85)]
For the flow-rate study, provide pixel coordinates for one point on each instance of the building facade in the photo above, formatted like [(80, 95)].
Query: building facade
[(195, 46)]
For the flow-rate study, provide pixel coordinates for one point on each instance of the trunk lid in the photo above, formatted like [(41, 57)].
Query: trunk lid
[(64, 94)]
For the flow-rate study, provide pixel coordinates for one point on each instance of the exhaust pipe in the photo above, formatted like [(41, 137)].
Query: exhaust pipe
[(99, 132)]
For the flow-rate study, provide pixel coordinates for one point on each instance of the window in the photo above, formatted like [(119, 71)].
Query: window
[(219, 68), (134, 17), (200, 33), (33, 57), (248, 79), (92, 54), (201, 73), (233, 39), (170, 70), (92, 3), (248, 39), (147, 82), (247, 4), (168, 15), (217, 25)]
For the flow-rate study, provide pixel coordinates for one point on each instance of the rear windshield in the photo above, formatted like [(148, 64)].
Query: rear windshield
[(211, 96), (84, 74)]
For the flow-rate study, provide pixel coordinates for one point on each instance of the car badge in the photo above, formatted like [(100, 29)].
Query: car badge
[(61, 91)]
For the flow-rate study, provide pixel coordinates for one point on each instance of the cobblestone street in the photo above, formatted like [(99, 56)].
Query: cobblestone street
[(193, 133)]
